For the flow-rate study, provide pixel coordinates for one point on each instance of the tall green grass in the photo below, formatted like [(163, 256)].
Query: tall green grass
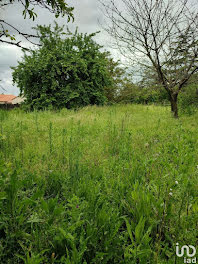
[(109, 185)]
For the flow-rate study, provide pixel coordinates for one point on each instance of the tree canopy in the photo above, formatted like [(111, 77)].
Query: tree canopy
[(68, 70)]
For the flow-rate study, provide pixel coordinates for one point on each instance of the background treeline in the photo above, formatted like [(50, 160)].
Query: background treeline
[(148, 90)]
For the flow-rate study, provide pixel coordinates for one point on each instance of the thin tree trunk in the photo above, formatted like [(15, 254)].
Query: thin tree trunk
[(174, 107)]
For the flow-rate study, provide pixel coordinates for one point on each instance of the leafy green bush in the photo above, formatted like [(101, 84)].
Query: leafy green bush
[(66, 72), (131, 93), (188, 99)]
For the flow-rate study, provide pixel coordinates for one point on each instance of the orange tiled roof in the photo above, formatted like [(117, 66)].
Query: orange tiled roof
[(7, 98)]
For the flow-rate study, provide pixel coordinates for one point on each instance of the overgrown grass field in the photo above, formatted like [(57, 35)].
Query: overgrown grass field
[(115, 184)]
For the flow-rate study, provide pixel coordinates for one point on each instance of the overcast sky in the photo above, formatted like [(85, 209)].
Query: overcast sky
[(86, 13)]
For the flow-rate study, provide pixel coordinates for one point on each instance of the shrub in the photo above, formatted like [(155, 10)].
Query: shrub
[(64, 72), (188, 100)]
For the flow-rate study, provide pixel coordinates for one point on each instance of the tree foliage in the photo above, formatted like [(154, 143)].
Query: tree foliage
[(120, 78), (68, 70)]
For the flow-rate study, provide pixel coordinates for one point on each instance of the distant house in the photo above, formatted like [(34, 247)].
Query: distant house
[(6, 98), (18, 100), (8, 101)]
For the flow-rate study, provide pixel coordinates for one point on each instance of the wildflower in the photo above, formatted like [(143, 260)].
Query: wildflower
[(176, 182), (77, 206), (170, 193), (146, 145), (171, 189)]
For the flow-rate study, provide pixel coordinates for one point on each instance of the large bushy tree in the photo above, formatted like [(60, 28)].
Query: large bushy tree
[(68, 70)]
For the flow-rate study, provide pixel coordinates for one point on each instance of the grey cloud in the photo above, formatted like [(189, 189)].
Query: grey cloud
[(6, 86), (9, 55)]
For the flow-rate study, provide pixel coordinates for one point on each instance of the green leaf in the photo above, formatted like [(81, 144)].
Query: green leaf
[(139, 230)]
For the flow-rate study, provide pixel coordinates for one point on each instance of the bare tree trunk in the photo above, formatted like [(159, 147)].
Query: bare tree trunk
[(174, 107)]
